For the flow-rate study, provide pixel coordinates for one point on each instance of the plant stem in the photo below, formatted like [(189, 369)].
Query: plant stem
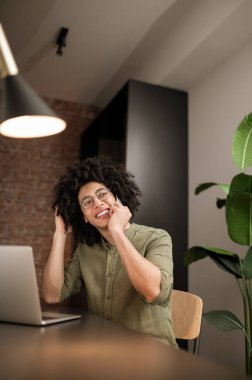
[(249, 331), (242, 287), (245, 291)]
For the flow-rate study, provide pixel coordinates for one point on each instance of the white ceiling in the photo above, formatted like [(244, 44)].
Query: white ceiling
[(174, 43)]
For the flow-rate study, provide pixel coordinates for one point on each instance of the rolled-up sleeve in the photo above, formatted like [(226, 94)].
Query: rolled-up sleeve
[(72, 278), (159, 252)]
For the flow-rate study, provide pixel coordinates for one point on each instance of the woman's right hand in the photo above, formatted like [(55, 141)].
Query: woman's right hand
[(54, 270), (60, 224)]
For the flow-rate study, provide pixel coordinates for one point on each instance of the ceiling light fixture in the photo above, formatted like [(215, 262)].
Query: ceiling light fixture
[(24, 113), (61, 40)]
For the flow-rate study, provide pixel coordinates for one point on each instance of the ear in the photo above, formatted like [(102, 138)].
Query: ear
[(86, 221)]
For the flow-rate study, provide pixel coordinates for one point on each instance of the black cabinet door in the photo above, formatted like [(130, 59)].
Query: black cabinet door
[(145, 128)]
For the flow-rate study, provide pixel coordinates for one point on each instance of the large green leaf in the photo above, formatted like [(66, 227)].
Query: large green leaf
[(242, 143), (207, 185), (239, 209), (247, 264), (194, 254), (226, 260), (223, 320)]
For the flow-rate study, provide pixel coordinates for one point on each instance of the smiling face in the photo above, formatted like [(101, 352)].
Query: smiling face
[(95, 204)]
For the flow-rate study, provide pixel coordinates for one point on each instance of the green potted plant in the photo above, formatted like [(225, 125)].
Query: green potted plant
[(238, 212)]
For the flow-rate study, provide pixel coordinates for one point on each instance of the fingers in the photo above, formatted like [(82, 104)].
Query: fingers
[(116, 206), (60, 224), (119, 209)]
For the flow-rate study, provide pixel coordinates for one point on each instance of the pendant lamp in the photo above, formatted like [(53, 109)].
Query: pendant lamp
[(24, 114)]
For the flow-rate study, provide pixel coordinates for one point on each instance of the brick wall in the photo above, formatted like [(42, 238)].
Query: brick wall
[(29, 170)]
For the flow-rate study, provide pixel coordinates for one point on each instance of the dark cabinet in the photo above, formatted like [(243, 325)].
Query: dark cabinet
[(145, 128)]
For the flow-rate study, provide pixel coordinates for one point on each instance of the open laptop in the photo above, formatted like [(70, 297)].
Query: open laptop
[(19, 295)]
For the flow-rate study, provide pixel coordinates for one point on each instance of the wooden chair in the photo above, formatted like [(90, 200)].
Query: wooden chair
[(187, 315)]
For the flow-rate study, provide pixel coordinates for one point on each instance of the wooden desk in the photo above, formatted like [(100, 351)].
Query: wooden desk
[(94, 349)]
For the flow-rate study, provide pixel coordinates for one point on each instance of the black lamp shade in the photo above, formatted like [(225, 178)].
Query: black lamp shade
[(24, 113), (20, 99)]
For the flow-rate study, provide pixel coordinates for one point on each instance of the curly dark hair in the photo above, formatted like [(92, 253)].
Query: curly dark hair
[(99, 169)]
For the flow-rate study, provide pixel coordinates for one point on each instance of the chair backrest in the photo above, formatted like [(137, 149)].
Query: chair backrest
[(186, 314)]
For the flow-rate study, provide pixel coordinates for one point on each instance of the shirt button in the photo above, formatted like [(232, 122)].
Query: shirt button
[(108, 298)]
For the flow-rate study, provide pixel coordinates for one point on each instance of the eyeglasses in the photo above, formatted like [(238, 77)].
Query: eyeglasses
[(101, 194)]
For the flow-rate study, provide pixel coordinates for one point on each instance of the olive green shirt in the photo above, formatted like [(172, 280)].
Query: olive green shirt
[(110, 293)]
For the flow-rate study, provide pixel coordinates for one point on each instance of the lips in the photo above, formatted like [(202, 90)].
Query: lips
[(102, 214)]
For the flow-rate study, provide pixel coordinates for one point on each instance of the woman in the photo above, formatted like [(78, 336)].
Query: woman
[(127, 268)]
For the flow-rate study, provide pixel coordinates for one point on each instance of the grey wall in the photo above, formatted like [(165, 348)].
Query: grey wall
[(216, 106)]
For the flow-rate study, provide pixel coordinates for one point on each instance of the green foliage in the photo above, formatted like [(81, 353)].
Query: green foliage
[(227, 261), (224, 320), (242, 143), (247, 265), (207, 185), (238, 211)]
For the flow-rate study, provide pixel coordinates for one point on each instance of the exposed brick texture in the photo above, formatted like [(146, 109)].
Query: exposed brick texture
[(29, 170)]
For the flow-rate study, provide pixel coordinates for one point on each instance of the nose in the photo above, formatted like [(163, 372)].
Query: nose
[(97, 202)]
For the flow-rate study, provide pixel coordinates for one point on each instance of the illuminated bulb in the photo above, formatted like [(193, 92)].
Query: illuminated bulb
[(32, 126)]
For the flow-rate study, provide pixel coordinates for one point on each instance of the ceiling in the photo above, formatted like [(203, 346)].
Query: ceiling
[(173, 43)]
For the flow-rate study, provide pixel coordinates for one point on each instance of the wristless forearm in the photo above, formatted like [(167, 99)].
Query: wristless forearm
[(144, 275), (54, 270)]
